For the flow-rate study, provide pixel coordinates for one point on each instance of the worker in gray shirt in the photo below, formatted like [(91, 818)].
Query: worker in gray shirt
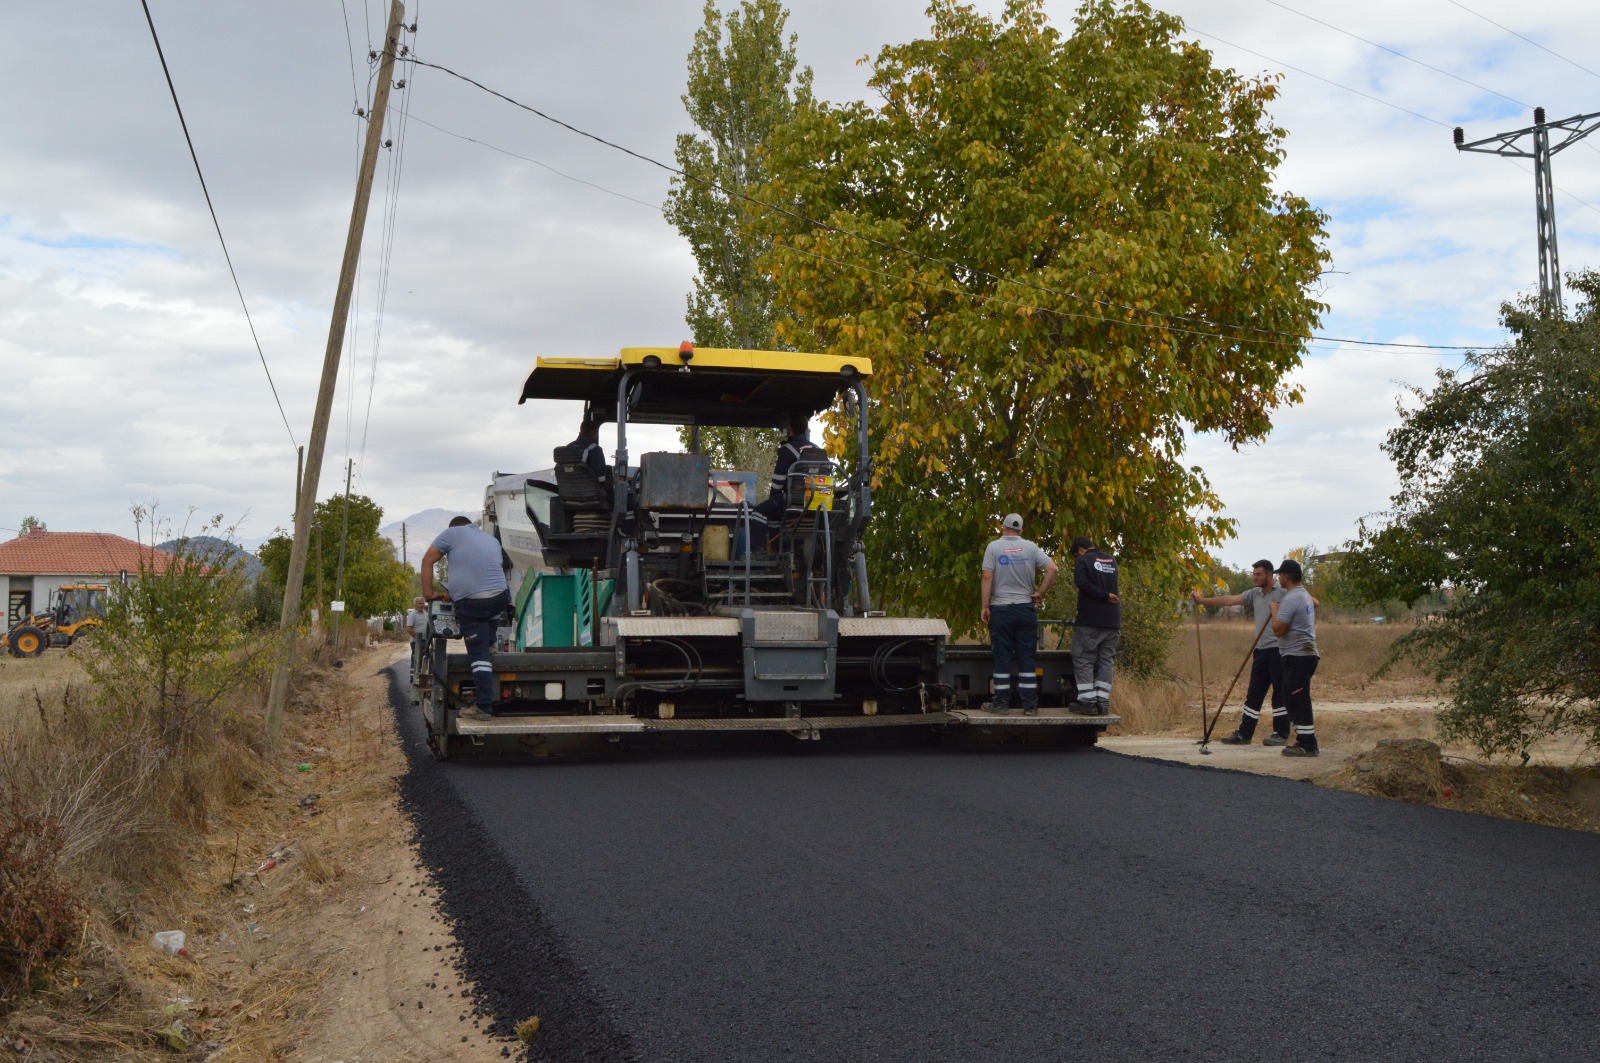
[(1266, 665), (417, 625), (1011, 609), (481, 594), (1294, 622)]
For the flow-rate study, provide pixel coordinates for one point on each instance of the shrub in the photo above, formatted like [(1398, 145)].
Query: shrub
[(177, 640), (1149, 615)]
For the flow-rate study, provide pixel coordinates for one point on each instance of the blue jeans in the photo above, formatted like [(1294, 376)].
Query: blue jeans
[(479, 619), (1014, 636)]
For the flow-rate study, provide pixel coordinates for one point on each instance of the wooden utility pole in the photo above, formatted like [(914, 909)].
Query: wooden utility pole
[(289, 624), (344, 534), (403, 559), (299, 473)]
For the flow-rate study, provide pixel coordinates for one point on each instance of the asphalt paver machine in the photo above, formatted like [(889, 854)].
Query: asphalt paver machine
[(660, 600)]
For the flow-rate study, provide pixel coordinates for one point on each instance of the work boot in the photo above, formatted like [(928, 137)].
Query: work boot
[(1030, 710), (476, 714), (999, 708), (1275, 739), (1235, 739), (1298, 751)]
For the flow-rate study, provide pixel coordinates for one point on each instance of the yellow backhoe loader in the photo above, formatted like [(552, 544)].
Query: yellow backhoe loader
[(75, 609)]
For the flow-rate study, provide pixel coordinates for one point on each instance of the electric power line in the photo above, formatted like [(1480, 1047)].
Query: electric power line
[(1402, 55), (391, 212), (899, 250), (986, 300), (1535, 43), (214, 222), (1375, 99), (350, 51), (1326, 81)]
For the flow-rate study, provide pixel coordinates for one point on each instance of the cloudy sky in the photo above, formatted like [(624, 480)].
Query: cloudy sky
[(128, 370)]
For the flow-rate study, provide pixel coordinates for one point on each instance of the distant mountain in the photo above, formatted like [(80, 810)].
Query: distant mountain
[(421, 528), (210, 548)]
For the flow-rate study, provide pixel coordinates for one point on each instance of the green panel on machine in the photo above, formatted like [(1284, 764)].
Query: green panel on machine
[(559, 609)]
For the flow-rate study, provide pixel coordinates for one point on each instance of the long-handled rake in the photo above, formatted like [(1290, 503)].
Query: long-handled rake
[(1205, 737)]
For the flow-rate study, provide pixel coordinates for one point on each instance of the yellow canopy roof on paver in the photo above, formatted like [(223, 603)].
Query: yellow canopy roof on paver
[(712, 386)]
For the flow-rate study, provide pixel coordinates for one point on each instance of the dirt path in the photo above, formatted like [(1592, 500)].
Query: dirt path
[(385, 988), (1345, 729), (313, 932)]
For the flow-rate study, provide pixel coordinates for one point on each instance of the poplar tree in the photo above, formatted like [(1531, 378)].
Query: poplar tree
[(743, 82)]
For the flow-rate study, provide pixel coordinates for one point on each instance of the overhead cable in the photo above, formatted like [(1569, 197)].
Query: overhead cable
[(1402, 55), (397, 158), (1327, 81), (1251, 330), (1530, 40), (214, 222), (1375, 99), (978, 297), (350, 50)]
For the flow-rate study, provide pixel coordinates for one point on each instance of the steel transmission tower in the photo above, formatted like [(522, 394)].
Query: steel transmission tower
[(1569, 131)]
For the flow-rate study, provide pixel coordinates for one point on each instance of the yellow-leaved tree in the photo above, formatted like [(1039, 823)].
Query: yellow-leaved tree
[(1104, 269)]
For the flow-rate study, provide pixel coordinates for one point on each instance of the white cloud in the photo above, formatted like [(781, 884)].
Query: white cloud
[(129, 373)]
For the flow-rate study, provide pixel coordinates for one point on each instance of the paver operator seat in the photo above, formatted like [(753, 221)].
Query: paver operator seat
[(580, 514)]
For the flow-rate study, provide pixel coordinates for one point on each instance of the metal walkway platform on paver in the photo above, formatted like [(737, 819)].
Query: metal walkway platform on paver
[(620, 724)]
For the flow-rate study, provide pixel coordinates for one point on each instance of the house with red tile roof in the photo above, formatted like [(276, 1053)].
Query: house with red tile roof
[(33, 565)]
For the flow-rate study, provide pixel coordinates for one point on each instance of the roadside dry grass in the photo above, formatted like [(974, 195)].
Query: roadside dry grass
[(1351, 654), (275, 888)]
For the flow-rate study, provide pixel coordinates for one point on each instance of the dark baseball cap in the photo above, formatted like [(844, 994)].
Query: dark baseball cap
[(1290, 569)]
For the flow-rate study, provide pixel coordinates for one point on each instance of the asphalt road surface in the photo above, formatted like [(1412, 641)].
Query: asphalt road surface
[(925, 905)]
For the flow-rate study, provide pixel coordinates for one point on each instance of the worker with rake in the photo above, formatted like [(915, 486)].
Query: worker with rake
[(1266, 666)]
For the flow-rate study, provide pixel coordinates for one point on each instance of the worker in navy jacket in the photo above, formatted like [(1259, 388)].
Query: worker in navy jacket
[(1098, 627)]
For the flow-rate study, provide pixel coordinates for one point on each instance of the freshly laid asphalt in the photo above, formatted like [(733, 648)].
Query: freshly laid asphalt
[(920, 905)]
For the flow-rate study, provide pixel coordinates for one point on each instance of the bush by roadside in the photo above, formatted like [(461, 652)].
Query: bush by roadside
[(121, 762)]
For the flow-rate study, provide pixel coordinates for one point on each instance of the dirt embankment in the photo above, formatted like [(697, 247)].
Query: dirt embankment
[(311, 930), (1377, 734)]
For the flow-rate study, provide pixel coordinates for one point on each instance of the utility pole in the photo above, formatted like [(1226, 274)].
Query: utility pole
[(344, 534), (317, 531), (403, 559), (299, 472), (1570, 130), (289, 624)]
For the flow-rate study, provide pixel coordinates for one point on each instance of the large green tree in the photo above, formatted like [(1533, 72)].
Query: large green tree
[(1154, 284), (1497, 505), (374, 579), (744, 81)]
